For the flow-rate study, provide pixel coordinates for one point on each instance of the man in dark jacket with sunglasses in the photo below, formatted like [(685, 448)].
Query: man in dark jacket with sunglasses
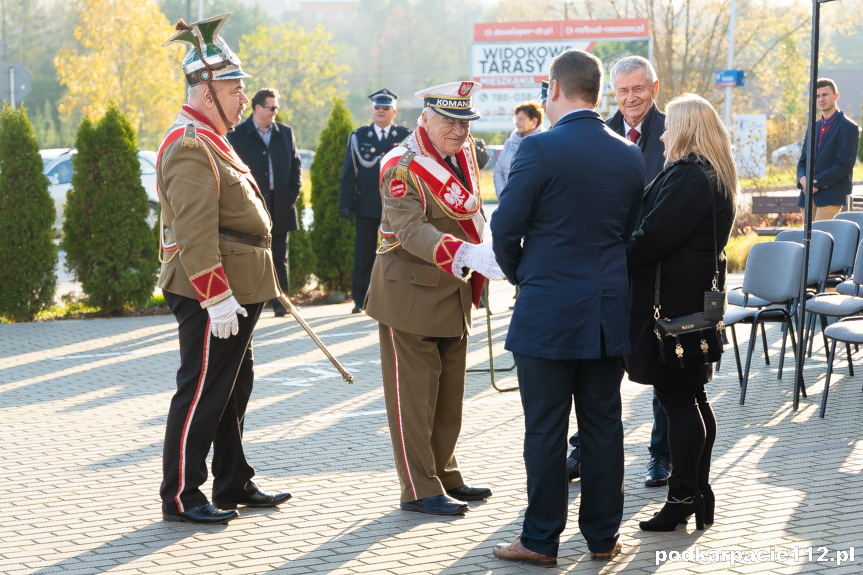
[(269, 149)]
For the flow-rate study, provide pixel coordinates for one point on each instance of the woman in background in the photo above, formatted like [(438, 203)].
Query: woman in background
[(528, 120)]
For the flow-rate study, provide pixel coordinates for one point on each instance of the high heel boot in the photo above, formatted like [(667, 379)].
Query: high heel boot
[(709, 503), (674, 511)]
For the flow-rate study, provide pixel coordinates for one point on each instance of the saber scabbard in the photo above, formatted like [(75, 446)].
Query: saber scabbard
[(295, 312)]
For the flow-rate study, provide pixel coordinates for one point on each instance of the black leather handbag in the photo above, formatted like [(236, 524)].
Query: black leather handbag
[(694, 339)]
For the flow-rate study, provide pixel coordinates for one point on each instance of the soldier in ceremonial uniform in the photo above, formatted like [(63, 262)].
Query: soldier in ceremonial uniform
[(358, 190), (217, 271), (428, 271)]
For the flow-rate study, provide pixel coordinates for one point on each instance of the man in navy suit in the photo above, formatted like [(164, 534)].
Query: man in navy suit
[(571, 202), (836, 140)]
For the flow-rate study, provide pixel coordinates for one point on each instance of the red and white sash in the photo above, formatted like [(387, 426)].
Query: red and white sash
[(458, 201)]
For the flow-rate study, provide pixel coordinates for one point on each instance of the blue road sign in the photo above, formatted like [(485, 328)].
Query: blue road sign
[(725, 78)]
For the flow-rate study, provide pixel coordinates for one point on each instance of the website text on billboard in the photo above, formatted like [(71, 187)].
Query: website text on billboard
[(561, 30)]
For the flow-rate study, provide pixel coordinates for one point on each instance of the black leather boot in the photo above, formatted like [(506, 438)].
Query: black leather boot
[(675, 511)]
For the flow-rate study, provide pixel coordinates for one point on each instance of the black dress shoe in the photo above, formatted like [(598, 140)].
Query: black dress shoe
[(257, 499), (658, 471), (573, 468), (468, 493), (357, 309), (203, 515), (437, 505)]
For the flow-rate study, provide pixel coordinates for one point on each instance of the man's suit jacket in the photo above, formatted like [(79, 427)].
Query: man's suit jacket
[(286, 169), (358, 188), (834, 162), (571, 203), (651, 146)]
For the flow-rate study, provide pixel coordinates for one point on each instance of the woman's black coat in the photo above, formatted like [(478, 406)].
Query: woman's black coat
[(677, 228)]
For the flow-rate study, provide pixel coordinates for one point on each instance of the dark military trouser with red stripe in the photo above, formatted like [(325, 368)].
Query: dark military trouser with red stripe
[(214, 383), (423, 381)]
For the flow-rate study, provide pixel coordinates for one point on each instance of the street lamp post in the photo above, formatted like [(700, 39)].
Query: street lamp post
[(729, 64), (808, 209)]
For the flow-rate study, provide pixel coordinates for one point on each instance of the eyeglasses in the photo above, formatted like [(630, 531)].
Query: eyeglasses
[(387, 108), (638, 91), (450, 124), (271, 108)]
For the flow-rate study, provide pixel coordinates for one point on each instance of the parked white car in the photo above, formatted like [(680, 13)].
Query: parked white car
[(58, 170), (306, 158), (787, 155)]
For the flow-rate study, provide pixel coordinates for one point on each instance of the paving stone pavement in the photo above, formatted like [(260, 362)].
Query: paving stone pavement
[(82, 411)]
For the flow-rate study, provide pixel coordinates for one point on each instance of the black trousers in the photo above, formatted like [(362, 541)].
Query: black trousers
[(365, 246), (691, 434), (280, 261), (214, 383), (548, 388)]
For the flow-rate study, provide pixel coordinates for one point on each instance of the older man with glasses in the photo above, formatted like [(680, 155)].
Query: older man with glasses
[(430, 267), (358, 190), (637, 119)]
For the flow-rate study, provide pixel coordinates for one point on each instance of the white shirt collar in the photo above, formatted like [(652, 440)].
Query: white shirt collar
[(627, 127)]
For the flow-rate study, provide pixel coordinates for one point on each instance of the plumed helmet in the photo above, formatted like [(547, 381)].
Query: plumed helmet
[(209, 57)]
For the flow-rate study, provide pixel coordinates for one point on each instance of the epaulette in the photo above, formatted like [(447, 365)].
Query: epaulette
[(190, 136), (402, 170)]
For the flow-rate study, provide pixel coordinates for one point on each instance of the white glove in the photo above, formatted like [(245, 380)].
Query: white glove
[(480, 258), (223, 318)]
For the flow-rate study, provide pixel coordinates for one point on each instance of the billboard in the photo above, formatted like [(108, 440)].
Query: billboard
[(510, 59), (749, 136)]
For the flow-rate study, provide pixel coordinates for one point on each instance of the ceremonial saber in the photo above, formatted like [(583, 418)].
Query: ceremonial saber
[(296, 313)]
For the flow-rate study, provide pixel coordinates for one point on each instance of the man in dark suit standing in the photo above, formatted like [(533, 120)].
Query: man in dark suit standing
[(270, 150), (635, 84), (359, 195), (836, 144), (559, 234)]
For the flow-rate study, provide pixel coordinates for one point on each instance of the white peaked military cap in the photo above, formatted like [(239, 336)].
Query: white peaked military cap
[(452, 100)]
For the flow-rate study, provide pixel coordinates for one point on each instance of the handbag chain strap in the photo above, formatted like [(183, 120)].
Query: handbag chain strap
[(715, 284)]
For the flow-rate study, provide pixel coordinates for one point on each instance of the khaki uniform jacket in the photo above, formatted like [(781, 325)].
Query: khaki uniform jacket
[(409, 290), (203, 186)]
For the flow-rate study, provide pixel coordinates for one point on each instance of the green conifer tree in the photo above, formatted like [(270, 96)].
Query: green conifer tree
[(332, 237), (109, 247), (28, 255)]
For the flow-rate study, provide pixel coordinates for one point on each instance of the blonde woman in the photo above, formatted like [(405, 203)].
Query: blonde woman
[(677, 229)]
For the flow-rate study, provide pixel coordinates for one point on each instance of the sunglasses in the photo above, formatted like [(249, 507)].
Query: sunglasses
[(271, 108), (383, 107)]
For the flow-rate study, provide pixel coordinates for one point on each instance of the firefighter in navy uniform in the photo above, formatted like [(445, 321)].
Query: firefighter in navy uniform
[(359, 195)]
